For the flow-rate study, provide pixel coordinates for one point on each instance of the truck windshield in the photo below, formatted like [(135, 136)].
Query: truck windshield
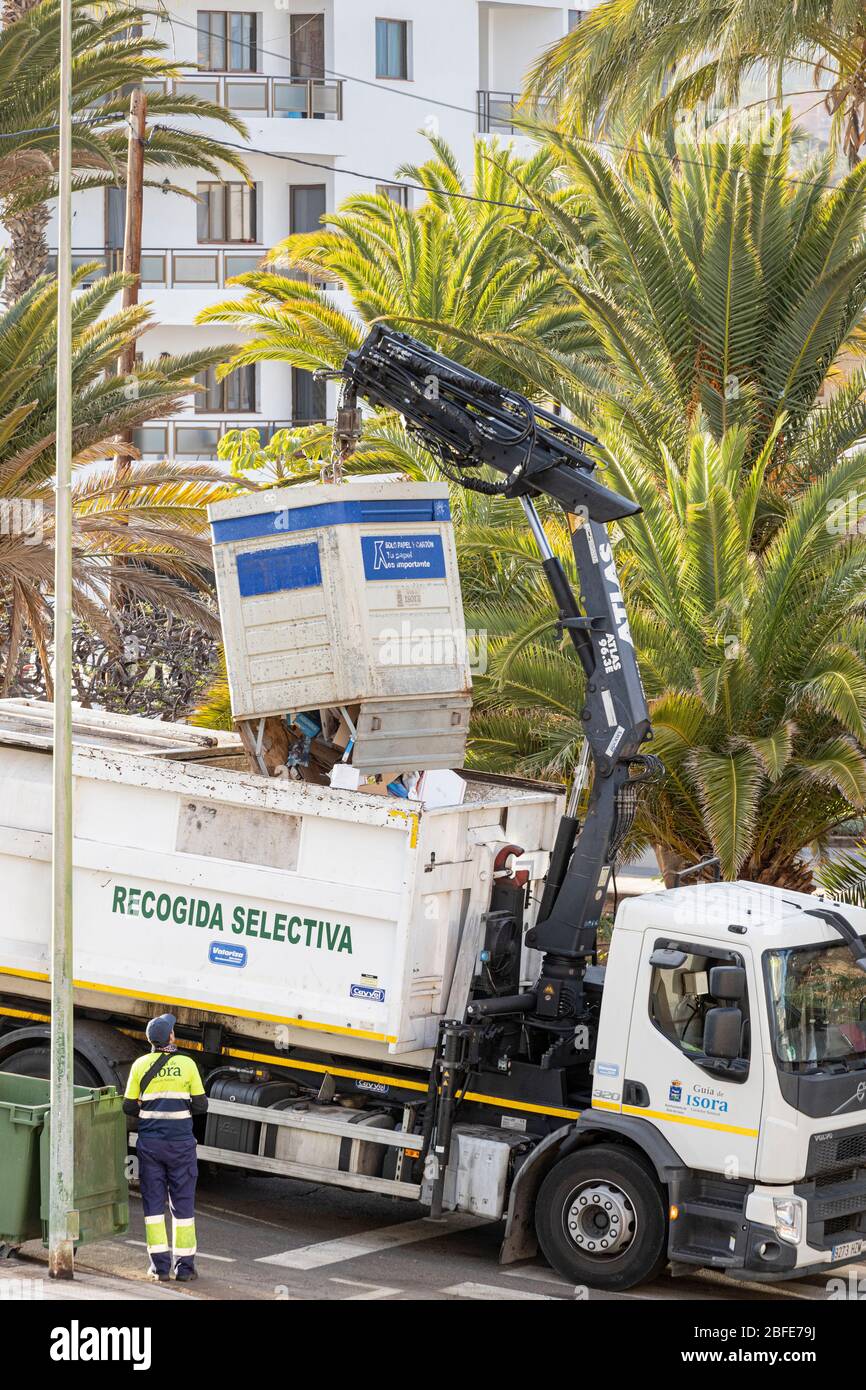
[(818, 1007)]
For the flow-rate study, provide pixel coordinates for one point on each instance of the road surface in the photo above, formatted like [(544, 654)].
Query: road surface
[(266, 1238)]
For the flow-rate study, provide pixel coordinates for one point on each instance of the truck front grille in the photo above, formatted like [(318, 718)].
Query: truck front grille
[(834, 1153)]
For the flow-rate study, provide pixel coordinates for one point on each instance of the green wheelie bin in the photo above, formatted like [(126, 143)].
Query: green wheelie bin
[(101, 1192)]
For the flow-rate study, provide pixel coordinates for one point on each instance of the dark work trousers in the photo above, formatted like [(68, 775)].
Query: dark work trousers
[(168, 1169)]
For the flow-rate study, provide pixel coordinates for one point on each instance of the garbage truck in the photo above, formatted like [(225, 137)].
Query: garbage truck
[(412, 1000)]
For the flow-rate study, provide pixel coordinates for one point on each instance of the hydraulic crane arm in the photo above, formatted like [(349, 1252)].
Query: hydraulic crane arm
[(467, 421)]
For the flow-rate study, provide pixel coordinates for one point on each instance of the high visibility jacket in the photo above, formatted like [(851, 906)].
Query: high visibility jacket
[(170, 1099)]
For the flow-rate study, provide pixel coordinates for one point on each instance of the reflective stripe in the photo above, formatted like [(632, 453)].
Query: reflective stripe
[(155, 1234), (163, 1115), (167, 1095), (183, 1235)]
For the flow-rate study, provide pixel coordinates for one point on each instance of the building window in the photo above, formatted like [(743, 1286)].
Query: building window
[(227, 212), (576, 17), (309, 398), (392, 48), (235, 394), (227, 41), (307, 206), (397, 192), (307, 44), (115, 217)]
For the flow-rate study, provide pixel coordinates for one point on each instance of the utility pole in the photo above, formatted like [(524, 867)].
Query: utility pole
[(62, 1219), (131, 266), (132, 223)]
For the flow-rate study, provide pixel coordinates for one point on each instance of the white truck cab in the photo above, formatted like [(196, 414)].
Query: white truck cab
[(771, 1136)]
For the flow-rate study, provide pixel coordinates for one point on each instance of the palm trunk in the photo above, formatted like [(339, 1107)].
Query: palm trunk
[(28, 247), (669, 863)]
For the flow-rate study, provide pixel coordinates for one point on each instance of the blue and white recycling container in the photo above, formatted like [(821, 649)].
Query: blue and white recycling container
[(335, 595)]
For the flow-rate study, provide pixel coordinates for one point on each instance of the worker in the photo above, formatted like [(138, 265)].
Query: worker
[(164, 1091)]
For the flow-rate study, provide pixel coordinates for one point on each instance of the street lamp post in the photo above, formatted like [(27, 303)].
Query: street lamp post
[(61, 1216)]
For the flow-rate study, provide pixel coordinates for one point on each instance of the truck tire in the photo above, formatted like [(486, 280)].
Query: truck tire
[(600, 1218), (36, 1061), (103, 1055)]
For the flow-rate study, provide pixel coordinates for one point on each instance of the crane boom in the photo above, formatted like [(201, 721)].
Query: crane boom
[(468, 421)]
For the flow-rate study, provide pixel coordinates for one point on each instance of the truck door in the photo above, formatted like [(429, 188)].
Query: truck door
[(708, 1108)]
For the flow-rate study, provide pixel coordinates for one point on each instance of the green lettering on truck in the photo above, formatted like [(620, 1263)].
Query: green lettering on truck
[(314, 932)]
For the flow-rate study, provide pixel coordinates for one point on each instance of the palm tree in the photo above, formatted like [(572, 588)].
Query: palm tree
[(844, 876), (465, 259), (754, 660), (152, 529), (110, 54), (709, 283), (638, 63)]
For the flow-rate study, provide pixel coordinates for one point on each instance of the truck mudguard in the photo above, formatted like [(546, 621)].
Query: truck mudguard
[(519, 1241)]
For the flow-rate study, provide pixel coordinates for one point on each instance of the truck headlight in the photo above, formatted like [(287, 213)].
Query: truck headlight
[(788, 1219)]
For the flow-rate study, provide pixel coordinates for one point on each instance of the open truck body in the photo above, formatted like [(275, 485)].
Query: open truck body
[(281, 910)]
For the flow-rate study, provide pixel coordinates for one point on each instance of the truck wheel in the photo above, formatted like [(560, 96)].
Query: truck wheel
[(36, 1061), (103, 1055), (600, 1219)]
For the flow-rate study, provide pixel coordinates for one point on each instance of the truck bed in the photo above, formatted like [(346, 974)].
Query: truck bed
[(296, 913)]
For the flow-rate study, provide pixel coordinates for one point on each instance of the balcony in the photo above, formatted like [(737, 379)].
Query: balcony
[(182, 267), (496, 112), (191, 440), (285, 98)]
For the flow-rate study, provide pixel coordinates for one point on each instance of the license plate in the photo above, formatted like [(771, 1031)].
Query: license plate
[(848, 1250)]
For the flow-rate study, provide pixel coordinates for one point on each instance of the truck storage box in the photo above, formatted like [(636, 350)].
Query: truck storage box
[(242, 1136), (348, 594), (296, 914)]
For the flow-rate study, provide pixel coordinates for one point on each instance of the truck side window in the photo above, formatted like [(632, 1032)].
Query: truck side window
[(680, 1000)]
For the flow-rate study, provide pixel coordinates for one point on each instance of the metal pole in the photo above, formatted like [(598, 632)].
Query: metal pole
[(536, 527), (61, 1219)]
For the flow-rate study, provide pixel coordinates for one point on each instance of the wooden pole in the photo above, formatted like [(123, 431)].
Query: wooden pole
[(132, 243), (131, 266)]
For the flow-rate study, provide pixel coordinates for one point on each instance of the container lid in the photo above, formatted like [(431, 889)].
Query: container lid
[(378, 500)]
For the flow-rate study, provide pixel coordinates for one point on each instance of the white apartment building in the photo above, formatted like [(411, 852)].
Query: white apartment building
[(335, 94)]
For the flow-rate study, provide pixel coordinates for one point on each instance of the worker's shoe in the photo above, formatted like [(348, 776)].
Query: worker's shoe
[(183, 1276), (156, 1277)]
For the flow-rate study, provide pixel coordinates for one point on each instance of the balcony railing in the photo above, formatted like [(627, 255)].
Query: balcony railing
[(285, 98), (182, 267), (496, 112), (196, 440)]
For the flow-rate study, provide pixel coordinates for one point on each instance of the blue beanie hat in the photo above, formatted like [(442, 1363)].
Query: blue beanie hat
[(159, 1029)]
